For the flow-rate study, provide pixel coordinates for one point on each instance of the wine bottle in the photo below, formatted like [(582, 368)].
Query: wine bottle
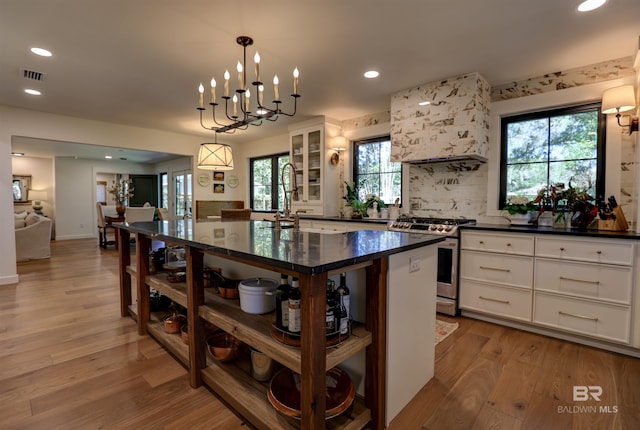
[(343, 315), (343, 290), (282, 303), (330, 317), (294, 307)]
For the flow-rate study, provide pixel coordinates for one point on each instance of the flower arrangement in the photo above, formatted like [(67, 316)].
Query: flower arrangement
[(371, 201), (122, 190), (358, 207), (519, 205)]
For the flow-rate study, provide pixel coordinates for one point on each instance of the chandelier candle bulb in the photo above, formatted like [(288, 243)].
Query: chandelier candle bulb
[(247, 105), (235, 106), (239, 68), (213, 90), (276, 92), (260, 95), (256, 58), (226, 83), (296, 73), (201, 91)]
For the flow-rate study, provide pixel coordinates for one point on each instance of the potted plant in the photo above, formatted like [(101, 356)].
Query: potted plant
[(358, 208), (519, 209), (122, 192)]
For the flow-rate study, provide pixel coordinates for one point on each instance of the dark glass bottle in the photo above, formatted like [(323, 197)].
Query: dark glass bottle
[(343, 290), (343, 316), (294, 307), (282, 303), (330, 317)]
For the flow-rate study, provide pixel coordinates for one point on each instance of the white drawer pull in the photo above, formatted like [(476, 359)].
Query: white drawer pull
[(495, 268), (578, 316), (564, 278), (504, 302)]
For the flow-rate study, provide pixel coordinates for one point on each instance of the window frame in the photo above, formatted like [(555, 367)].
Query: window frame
[(601, 146), (354, 166), (274, 183)]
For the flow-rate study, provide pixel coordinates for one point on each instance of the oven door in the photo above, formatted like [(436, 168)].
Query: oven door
[(448, 268)]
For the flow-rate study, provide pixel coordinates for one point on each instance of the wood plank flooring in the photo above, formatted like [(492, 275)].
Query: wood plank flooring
[(68, 361)]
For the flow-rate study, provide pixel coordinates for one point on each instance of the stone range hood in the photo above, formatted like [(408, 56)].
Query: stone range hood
[(454, 126)]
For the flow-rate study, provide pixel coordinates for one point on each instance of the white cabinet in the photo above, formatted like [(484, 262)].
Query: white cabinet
[(566, 284), (316, 178), (584, 286), (496, 274)]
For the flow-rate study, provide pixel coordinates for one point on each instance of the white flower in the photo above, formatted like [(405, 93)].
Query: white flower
[(518, 200)]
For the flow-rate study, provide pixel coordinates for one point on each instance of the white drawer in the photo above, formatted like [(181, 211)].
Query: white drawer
[(603, 320), (600, 251), (511, 270), (521, 244), (593, 281), (506, 302)]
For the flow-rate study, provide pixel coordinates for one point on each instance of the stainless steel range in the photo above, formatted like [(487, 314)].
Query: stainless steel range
[(448, 255)]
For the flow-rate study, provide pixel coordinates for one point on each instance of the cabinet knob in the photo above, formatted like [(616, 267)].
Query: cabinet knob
[(598, 252), (561, 248), (481, 242), (508, 244)]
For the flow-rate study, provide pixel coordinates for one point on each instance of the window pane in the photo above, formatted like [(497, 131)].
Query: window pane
[(282, 160), (262, 180), (527, 141), (574, 136), (580, 172), (373, 165), (526, 179)]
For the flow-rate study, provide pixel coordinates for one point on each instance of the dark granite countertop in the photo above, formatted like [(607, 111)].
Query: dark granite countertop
[(303, 252), (551, 230)]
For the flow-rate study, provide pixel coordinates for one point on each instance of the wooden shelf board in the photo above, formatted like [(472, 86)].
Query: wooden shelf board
[(175, 291), (255, 330), (249, 398), (132, 270)]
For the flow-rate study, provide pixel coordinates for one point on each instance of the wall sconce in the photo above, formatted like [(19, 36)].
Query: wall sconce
[(339, 145), (621, 99)]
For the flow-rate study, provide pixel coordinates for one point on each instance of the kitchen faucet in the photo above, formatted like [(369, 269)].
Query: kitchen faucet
[(293, 189)]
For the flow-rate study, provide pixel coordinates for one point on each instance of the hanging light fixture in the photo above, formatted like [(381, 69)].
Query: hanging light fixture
[(245, 106), (215, 156)]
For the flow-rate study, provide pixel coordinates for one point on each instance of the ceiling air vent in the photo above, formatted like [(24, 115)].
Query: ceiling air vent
[(32, 75)]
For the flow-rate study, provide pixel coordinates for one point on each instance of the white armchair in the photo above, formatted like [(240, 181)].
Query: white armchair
[(34, 241), (139, 214)]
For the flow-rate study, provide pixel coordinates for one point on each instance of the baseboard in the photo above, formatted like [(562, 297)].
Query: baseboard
[(82, 236), (7, 280)]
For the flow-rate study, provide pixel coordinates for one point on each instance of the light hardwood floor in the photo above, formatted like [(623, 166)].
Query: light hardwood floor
[(68, 361)]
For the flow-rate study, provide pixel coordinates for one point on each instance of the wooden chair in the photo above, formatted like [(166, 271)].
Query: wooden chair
[(235, 214), (139, 214), (104, 226)]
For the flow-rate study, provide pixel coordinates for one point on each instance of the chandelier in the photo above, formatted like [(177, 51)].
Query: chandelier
[(244, 106)]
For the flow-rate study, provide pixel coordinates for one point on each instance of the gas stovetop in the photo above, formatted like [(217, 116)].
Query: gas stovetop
[(442, 226)]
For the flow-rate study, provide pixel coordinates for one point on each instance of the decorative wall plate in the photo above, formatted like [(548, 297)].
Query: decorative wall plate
[(204, 179), (232, 181)]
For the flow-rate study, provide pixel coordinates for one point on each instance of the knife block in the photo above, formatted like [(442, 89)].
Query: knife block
[(618, 224)]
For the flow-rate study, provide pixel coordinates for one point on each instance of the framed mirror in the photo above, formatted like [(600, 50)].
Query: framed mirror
[(21, 186)]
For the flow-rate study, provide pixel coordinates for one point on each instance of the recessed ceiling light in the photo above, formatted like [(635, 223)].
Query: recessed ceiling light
[(41, 52), (17, 154), (371, 74), (589, 5), (108, 157), (424, 103), (32, 92)]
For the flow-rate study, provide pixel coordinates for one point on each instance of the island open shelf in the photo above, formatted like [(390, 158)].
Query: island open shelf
[(309, 256)]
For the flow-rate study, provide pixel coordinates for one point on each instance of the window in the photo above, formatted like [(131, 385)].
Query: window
[(266, 187), (164, 190), (182, 192), (557, 146), (372, 165)]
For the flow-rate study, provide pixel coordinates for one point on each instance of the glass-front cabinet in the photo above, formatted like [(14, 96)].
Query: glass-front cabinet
[(313, 173)]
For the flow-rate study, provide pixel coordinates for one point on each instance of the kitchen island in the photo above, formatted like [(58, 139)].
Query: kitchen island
[(400, 262)]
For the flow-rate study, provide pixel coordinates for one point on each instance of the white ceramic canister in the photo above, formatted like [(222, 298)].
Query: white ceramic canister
[(256, 295)]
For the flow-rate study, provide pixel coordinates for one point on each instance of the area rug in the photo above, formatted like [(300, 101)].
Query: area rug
[(444, 329)]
